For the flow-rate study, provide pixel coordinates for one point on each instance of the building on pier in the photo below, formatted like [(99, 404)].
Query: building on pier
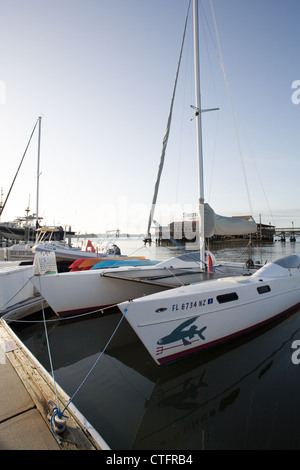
[(185, 232)]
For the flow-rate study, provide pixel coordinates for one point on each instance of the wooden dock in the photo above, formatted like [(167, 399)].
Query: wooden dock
[(25, 391), (21, 425)]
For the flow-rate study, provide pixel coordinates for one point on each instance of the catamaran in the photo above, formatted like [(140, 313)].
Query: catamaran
[(73, 293)]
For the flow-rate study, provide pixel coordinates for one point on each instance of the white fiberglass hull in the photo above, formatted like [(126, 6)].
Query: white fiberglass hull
[(85, 291), (182, 321), (73, 293)]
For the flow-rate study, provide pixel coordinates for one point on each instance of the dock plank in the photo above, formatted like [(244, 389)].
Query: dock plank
[(26, 391)]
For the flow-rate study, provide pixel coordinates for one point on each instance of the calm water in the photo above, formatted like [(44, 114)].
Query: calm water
[(242, 395)]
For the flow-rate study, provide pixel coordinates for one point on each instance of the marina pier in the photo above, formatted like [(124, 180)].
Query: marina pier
[(289, 233), (25, 392), (185, 231)]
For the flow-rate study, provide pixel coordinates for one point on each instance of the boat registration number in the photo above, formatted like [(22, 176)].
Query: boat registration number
[(192, 304)]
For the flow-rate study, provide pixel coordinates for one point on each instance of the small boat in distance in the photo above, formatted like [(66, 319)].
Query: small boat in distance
[(23, 229), (27, 230), (65, 252)]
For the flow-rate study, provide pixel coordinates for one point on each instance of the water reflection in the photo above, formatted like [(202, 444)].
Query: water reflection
[(242, 395)]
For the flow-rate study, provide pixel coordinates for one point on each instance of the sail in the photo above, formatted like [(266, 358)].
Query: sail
[(215, 224)]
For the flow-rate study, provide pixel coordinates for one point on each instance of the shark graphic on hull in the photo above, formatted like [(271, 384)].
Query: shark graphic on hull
[(180, 334)]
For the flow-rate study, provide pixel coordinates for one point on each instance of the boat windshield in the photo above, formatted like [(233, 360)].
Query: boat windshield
[(189, 256), (289, 262)]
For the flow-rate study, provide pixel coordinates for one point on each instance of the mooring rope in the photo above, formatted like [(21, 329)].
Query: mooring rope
[(56, 409), (56, 412), (71, 317), (95, 364), (6, 303)]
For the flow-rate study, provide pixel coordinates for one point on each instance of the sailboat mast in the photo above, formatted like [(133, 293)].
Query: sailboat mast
[(38, 175), (199, 131)]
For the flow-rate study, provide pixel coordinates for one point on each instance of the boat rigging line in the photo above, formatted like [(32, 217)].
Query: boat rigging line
[(10, 189), (230, 103), (166, 136)]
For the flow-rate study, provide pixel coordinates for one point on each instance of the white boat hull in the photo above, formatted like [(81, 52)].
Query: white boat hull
[(183, 321), (86, 291), (15, 287), (73, 293)]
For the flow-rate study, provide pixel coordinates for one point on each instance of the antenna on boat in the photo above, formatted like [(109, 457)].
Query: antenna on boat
[(27, 210)]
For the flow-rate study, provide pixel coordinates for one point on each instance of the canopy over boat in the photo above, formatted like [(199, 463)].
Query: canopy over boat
[(215, 224)]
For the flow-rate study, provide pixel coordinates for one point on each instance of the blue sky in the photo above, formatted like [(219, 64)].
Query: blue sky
[(101, 73)]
